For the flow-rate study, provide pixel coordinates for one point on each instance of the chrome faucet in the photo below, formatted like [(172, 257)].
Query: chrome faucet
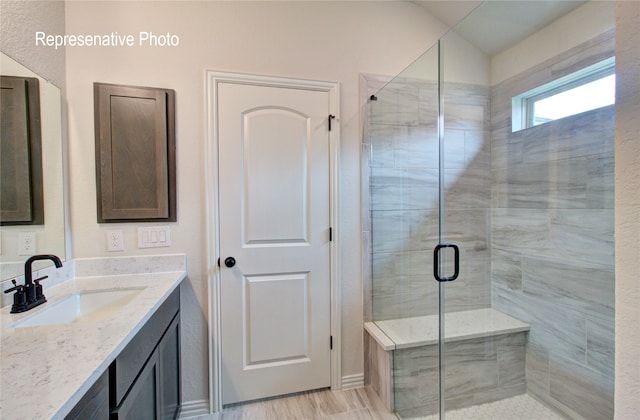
[(30, 294)]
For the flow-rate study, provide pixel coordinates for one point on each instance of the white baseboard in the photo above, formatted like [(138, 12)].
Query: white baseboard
[(352, 381), (195, 409)]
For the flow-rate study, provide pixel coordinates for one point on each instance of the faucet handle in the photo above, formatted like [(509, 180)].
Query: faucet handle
[(19, 297), (37, 281), (39, 294), (18, 287)]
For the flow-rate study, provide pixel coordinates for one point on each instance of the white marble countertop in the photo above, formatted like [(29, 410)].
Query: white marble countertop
[(47, 369)]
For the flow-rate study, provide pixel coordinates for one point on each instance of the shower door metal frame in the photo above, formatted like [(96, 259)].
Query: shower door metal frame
[(441, 191)]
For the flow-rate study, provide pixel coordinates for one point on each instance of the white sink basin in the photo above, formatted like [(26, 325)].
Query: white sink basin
[(87, 305)]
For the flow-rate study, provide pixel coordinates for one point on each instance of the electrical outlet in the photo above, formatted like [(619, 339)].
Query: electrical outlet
[(26, 243), (115, 240)]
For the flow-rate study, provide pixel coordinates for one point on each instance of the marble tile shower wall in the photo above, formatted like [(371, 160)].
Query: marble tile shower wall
[(478, 371), (552, 240), (404, 160)]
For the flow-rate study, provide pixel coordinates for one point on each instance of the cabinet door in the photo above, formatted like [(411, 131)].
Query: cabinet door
[(134, 356), (142, 400), (169, 371), (135, 153), (95, 403)]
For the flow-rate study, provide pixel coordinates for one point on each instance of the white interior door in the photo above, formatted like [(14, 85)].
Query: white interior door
[(274, 222)]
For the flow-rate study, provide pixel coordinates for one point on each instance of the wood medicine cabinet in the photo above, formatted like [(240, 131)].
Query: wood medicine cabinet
[(135, 153)]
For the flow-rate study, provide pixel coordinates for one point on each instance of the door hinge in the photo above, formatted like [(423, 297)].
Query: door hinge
[(330, 234), (330, 342), (218, 262), (330, 118)]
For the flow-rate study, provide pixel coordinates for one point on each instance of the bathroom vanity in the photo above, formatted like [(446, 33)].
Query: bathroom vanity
[(121, 360), (144, 379)]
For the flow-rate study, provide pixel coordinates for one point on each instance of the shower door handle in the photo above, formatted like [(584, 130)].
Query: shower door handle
[(436, 262)]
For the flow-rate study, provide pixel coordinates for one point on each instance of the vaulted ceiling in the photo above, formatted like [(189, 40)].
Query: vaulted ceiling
[(501, 23)]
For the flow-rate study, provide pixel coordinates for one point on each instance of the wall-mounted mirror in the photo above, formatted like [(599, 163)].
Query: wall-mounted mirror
[(18, 242)]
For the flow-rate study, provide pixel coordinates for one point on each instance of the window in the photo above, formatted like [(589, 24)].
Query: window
[(590, 88)]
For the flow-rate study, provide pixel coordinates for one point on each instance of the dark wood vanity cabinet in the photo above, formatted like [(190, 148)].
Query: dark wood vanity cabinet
[(142, 400), (169, 373), (144, 380), (155, 394), (94, 405)]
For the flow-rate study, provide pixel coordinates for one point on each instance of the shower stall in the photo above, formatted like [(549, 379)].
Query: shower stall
[(489, 224)]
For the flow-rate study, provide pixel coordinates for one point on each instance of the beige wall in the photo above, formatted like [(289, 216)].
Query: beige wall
[(19, 20), (315, 40), (627, 397), (571, 30)]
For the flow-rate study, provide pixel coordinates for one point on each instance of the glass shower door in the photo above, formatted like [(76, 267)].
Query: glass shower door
[(404, 169), (530, 316), (470, 354)]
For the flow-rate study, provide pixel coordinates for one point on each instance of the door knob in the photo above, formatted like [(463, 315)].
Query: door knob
[(229, 262)]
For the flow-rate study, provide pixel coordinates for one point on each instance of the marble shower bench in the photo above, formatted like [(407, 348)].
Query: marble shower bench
[(484, 360)]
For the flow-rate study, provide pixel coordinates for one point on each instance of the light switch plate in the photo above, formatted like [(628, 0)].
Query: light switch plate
[(154, 237)]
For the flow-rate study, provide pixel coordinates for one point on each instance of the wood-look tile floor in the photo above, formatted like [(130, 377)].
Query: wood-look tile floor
[(351, 404)]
